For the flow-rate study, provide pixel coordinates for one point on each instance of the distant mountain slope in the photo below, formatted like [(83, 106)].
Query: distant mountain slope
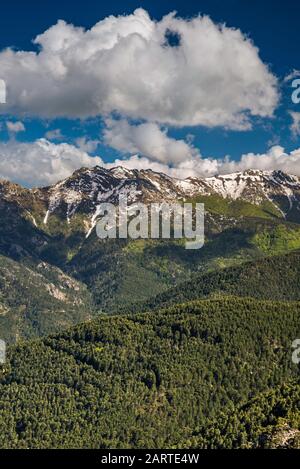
[(37, 300), (247, 217), (87, 188), (74, 202), (270, 278), (150, 380)]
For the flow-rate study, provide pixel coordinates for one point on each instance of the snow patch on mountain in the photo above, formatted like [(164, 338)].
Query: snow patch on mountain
[(87, 188)]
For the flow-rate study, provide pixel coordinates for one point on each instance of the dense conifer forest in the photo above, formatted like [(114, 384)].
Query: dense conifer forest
[(208, 373), (142, 343)]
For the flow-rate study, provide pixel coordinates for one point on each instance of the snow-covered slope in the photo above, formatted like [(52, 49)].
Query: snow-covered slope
[(86, 189), (254, 185)]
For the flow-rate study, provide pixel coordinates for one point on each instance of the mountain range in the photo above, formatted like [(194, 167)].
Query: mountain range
[(79, 196), (124, 343), (55, 272)]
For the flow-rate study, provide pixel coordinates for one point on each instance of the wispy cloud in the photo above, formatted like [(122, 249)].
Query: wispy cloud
[(15, 127), (54, 134)]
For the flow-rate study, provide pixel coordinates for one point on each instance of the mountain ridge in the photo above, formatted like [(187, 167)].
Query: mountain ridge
[(81, 194), (54, 226)]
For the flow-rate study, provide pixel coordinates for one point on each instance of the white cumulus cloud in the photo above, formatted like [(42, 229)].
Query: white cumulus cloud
[(148, 140), (275, 158), (123, 64), (87, 145), (41, 163)]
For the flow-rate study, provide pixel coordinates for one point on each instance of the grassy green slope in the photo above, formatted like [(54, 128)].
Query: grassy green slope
[(219, 205), (119, 273)]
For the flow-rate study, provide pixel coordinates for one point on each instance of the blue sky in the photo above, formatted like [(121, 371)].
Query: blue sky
[(271, 25)]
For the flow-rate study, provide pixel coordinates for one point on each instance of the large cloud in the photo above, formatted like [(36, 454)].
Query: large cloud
[(214, 77), (41, 163), (275, 158), (149, 140), (181, 159)]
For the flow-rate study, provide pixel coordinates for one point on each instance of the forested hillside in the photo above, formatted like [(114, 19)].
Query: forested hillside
[(149, 230), (37, 299), (154, 380), (270, 421), (55, 272), (147, 367), (270, 278)]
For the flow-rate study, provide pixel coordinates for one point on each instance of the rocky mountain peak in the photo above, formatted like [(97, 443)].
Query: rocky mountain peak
[(84, 191)]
